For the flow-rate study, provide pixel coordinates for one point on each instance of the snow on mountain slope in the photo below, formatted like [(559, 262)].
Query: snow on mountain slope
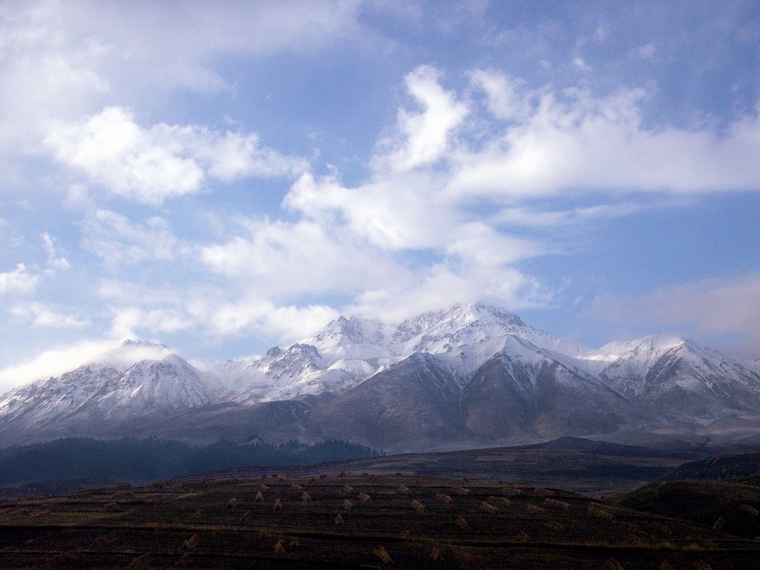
[(678, 377), (495, 370), (283, 374), (350, 350), (80, 401), (526, 391), (465, 337), (167, 385)]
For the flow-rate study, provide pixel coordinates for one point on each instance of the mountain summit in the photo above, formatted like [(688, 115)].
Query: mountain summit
[(475, 374)]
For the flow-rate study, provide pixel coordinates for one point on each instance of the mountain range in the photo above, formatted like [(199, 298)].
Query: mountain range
[(471, 376)]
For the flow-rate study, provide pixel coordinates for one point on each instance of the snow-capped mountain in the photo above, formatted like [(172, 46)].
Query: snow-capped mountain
[(96, 397), (679, 378), (472, 375), (350, 350)]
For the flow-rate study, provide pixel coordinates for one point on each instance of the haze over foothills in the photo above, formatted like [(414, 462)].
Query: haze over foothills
[(227, 176)]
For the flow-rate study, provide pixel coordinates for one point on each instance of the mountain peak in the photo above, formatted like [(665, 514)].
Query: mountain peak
[(484, 311)]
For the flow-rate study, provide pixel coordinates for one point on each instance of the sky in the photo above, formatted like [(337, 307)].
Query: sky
[(223, 177)]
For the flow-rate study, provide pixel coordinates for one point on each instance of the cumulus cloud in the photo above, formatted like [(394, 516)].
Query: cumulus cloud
[(119, 241), (444, 284), (573, 140), (151, 165), (286, 322), (711, 307), (54, 261), (281, 259), (135, 321), (216, 312), (423, 137), (63, 60), (53, 362), (41, 315), (395, 212), (18, 281)]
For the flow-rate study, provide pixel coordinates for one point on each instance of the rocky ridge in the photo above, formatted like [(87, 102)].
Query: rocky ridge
[(472, 375)]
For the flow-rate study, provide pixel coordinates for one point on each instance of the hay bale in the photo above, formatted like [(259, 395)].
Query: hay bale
[(595, 511), (191, 543), (264, 487), (488, 508), (196, 514), (305, 497), (461, 523), (403, 535), (296, 487), (279, 548), (461, 490), (503, 501), (557, 504), (402, 489), (277, 505), (441, 498), (383, 555), (141, 562), (544, 493), (348, 489), (232, 503), (435, 554), (521, 537), (417, 506), (555, 526), (612, 564), (244, 515), (364, 498), (339, 519), (347, 505), (750, 509), (717, 525), (259, 498), (535, 509)]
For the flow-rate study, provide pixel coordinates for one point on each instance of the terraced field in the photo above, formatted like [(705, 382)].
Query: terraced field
[(362, 521)]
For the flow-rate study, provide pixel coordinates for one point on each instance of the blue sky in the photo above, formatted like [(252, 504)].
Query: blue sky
[(226, 176)]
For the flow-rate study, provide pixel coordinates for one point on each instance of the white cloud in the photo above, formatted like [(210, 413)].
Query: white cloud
[(217, 312), (19, 281), (477, 243), (508, 97), (118, 241), (151, 165), (533, 217), (424, 137), (395, 212), (287, 323), (281, 259), (42, 315), (443, 285), (575, 141), (53, 362), (53, 261), (131, 322), (60, 60)]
